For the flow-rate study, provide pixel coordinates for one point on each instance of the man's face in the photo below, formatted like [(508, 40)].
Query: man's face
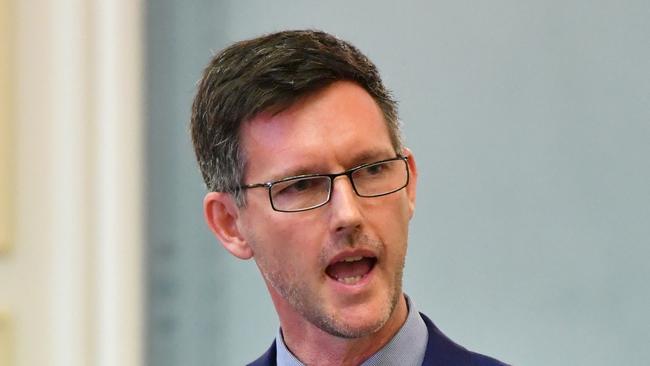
[(339, 266)]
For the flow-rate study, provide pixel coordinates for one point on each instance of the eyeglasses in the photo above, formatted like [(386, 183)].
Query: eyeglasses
[(306, 192)]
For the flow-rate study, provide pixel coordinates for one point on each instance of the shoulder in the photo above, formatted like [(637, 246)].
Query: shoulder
[(443, 351), (267, 359)]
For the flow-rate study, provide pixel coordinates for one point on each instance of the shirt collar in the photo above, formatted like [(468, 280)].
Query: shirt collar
[(407, 347)]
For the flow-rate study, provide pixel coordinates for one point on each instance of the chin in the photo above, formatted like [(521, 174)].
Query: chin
[(357, 328), (356, 321)]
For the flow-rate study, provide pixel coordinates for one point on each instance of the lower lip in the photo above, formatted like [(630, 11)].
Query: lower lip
[(355, 287)]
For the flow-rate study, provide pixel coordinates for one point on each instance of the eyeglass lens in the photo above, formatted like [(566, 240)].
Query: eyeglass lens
[(308, 192)]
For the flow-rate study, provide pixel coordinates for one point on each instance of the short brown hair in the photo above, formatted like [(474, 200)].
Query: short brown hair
[(270, 73)]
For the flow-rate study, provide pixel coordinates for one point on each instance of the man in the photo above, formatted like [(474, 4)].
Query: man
[(299, 144)]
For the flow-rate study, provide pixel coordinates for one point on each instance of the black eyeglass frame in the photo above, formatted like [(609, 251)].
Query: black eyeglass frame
[(333, 176)]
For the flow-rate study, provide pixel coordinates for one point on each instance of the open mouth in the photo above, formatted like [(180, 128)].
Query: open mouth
[(351, 270)]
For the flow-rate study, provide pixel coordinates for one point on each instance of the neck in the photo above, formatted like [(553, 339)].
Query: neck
[(314, 346)]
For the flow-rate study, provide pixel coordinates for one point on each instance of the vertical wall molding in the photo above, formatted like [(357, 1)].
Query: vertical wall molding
[(6, 108), (117, 80), (74, 278)]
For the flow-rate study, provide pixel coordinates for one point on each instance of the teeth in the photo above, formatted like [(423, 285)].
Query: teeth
[(353, 259), (349, 280)]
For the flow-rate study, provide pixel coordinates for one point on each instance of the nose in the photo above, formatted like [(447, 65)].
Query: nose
[(345, 213)]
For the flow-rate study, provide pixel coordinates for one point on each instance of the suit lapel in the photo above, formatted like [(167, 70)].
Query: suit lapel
[(441, 350), (267, 359)]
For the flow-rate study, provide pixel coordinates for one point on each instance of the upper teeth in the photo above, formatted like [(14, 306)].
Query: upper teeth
[(353, 259)]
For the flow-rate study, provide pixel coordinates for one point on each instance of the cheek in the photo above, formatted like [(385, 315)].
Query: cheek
[(284, 245), (391, 214), (390, 222)]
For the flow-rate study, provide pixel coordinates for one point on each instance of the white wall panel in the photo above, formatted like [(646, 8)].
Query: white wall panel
[(73, 281)]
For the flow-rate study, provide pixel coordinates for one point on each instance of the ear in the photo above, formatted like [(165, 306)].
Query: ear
[(221, 215), (413, 179)]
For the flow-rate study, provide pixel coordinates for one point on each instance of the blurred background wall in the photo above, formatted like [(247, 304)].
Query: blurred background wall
[(529, 122)]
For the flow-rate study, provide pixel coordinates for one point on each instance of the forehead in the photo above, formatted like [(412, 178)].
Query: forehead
[(324, 131)]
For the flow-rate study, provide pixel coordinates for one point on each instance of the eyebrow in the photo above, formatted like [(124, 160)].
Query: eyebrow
[(367, 156), (297, 171), (370, 156)]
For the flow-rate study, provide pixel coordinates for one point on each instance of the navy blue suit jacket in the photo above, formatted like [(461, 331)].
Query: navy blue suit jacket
[(441, 351)]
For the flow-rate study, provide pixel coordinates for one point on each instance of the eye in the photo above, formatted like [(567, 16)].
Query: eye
[(300, 186), (373, 170)]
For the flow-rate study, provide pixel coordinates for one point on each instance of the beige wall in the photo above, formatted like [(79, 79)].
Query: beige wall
[(6, 327), (71, 282), (5, 115)]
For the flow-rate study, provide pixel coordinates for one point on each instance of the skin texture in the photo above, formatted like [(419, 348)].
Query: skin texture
[(323, 321)]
